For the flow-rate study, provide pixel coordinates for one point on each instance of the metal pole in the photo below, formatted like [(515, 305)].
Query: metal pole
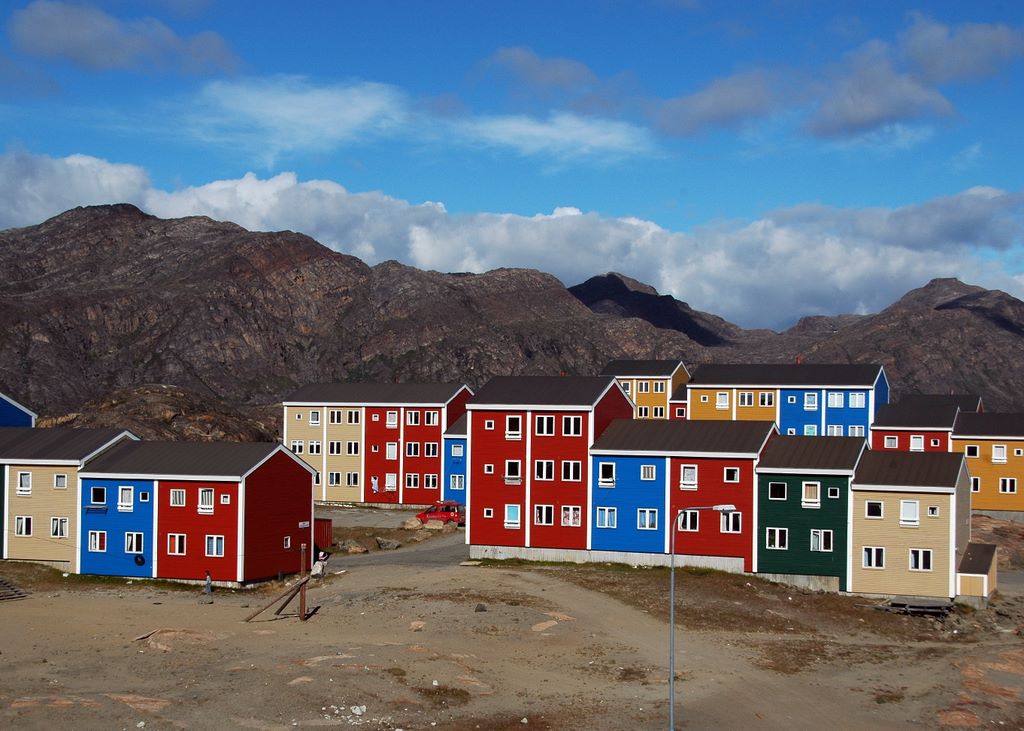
[(672, 629)]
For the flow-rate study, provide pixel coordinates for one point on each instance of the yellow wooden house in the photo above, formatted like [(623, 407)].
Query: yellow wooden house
[(993, 446), (649, 383)]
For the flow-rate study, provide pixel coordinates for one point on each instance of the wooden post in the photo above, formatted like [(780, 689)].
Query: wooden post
[(302, 569), (302, 602), (287, 596)]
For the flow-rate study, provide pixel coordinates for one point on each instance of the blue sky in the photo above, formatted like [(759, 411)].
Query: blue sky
[(761, 161)]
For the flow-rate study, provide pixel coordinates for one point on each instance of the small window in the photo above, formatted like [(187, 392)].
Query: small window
[(98, 496), (572, 426), (215, 546), (777, 539), (703, 398), (176, 544), (287, 542), (933, 511), (647, 519), (791, 399), (935, 442), (873, 557), (606, 517), (910, 516), (457, 482), (971, 450), (488, 469), (625, 386), (177, 498), (391, 422), (511, 516), (133, 542), (810, 402), (298, 417), (314, 418), (206, 500), (375, 417), (731, 474), (513, 427), (24, 483), (916, 442), (545, 426), (766, 399), (458, 450), (874, 509), (810, 430), (688, 476), (680, 412), (412, 418), (606, 474), (920, 559), (790, 432), (722, 400), (143, 497), (689, 521), (821, 540), (892, 442), (571, 516), (543, 514), (58, 527), (811, 495), (489, 424), (776, 490), (975, 484), (648, 471), (488, 512), (97, 541), (544, 469), (731, 522), (833, 493), (225, 498), (60, 482), (572, 470)]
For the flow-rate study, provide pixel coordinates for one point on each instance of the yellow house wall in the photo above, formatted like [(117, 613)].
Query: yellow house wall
[(679, 378), (701, 411), (989, 497), (343, 462), (896, 577), (44, 503), (649, 399), (755, 412), (972, 585)]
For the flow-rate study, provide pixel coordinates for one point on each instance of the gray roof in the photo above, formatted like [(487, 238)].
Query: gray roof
[(187, 459), (989, 424), (647, 435), (921, 414), (963, 401), (977, 558), (64, 444), (542, 391), (650, 368), (909, 469), (679, 394), (376, 393), (786, 374), (812, 453), (458, 429)]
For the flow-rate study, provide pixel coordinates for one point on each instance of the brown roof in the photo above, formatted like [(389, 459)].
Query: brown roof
[(989, 424), (187, 459), (920, 414), (679, 394), (644, 435), (786, 374), (376, 393), (977, 558), (812, 453), (963, 401), (65, 444), (909, 469), (458, 429), (542, 391), (650, 368)]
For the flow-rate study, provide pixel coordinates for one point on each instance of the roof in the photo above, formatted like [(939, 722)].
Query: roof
[(989, 424), (977, 558), (21, 407), (458, 429), (626, 368), (376, 393), (918, 413), (58, 444), (812, 453), (187, 459), (643, 435), (963, 401), (679, 394), (542, 391), (786, 374), (909, 469)]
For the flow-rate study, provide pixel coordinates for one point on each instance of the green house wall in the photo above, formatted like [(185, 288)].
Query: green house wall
[(789, 513)]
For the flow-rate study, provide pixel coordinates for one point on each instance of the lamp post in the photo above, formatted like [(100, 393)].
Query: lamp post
[(672, 608)]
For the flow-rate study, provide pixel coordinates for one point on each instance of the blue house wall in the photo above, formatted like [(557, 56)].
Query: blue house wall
[(106, 516), (14, 415), (454, 465), (794, 418), (629, 494), (792, 414)]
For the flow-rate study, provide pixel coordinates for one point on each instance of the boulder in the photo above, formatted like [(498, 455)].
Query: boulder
[(387, 544), (351, 546), (412, 524), (434, 525), (450, 527)]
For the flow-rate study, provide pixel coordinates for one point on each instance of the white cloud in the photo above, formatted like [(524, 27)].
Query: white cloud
[(725, 101), (809, 259), (91, 38), (967, 51)]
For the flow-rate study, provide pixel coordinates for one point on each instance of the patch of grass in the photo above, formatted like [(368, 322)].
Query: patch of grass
[(37, 577), (888, 695), (441, 696)]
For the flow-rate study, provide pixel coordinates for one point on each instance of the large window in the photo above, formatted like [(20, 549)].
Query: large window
[(572, 426), (334, 448), (689, 521), (298, 446), (391, 420), (314, 446), (688, 476), (352, 449), (834, 430), (513, 472), (458, 450), (731, 522), (97, 541), (545, 426), (855, 430), (572, 470), (543, 514), (544, 469), (133, 542), (606, 474), (215, 546), (647, 519), (513, 427), (1008, 485), (125, 498), (777, 539), (606, 517), (910, 513), (873, 557), (835, 399), (571, 516), (857, 400), (176, 544), (811, 495), (659, 387), (821, 540), (430, 418), (58, 527), (206, 500), (920, 559), (511, 516), (776, 490), (412, 479)]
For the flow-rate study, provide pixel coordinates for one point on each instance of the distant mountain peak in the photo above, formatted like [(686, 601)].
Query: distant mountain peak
[(937, 292)]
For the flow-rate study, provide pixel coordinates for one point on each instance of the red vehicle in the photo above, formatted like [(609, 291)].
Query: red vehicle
[(446, 511)]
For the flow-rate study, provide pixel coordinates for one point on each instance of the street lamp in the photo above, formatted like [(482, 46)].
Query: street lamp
[(672, 608)]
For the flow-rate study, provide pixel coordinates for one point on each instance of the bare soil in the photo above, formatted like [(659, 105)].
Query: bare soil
[(1008, 535)]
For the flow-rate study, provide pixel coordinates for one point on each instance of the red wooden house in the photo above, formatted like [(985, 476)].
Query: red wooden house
[(528, 469), (920, 422)]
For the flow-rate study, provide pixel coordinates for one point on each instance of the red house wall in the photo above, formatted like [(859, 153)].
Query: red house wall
[(673, 406), (712, 489), (422, 465), (614, 405), (376, 434), (558, 493), (278, 497), (457, 407), (490, 490), (903, 440), (196, 526)]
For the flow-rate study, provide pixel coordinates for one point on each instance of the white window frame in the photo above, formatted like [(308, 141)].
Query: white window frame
[(918, 558), (513, 515), (217, 543), (334, 447), (658, 412), (206, 506), (811, 401), (643, 412), (430, 449), (134, 542), (572, 470), (881, 509), (858, 400), (513, 427), (872, 557), (643, 387), (855, 430), (412, 479), (820, 537), (430, 417), (975, 484), (176, 544), (971, 451), (513, 472), (352, 448), (544, 425), (722, 400), (910, 513), (177, 497), (488, 512), (412, 449), (24, 487), (689, 521), (351, 479), (456, 482), (333, 479), (810, 494), (334, 416), (391, 451), (1008, 485), (391, 420), (745, 399), (606, 517), (390, 482), (543, 514), (125, 498), (412, 417), (766, 399), (606, 474), (785, 490), (776, 539), (58, 479), (836, 400), (489, 424), (680, 412), (917, 442), (998, 454), (647, 519), (933, 511), (59, 527), (834, 430), (733, 471), (429, 480), (458, 450), (352, 416), (314, 417), (833, 493), (298, 446), (572, 426), (488, 469), (97, 541), (659, 387), (731, 521), (544, 470), (567, 520), (684, 483), (648, 472), (314, 446)]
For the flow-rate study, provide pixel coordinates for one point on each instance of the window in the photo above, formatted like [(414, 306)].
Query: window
[(58, 527), (572, 470), (1018, 452), (659, 412), (333, 479), (731, 474), (143, 497), (857, 400), (643, 412), (776, 490), (833, 492), (916, 442), (391, 450), (412, 418), (571, 516), (648, 471), (920, 559), (821, 540), (511, 516), (133, 542), (646, 519), (60, 482), (390, 482), (298, 417), (606, 474), (544, 514), (999, 453), (1008, 485), (791, 399), (910, 513), (746, 398), (835, 399), (206, 500), (352, 449), (314, 418), (689, 521), (810, 430), (513, 427), (731, 522), (572, 426), (810, 402), (24, 483), (352, 479), (314, 447), (334, 448), (544, 469), (625, 386), (834, 430), (391, 420), (125, 498), (287, 543), (790, 432), (225, 499), (975, 484), (215, 546), (488, 512), (703, 398), (375, 448), (352, 416), (777, 539), (98, 496), (334, 416), (430, 481), (176, 544), (811, 496), (297, 445), (429, 449), (766, 399), (935, 442), (513, 472), (874, 509), (606, 518), (971, 450), (688, 476), (458, 450), (873, 557), (933, 511), (430, 418), (97, 541), (457, 482), (412, 449), (643, 387), (722, 400), (177, 498), (545, 426), (659, 387), (489, 424), (488, 469), (855, 430), (412, 479), (680, 412), (316, 478)]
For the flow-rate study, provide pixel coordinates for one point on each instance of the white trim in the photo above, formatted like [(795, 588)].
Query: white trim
[(1007, 437), (401, 455), (182, 478), (919, 428), (99, 450), (849, 538), (528, 469), (533, 407), (756, 499), (362, 457), (670, 518), (325, 452), (590, 471), (954, 560), (680, 455), (785, 471), (156, 522), (240, 547), (278, 448), (469, 466), (79, 509), (903, 488)]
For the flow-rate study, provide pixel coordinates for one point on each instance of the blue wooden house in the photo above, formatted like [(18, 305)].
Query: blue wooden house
[(118, 530), (14, 414), (454, 468)]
